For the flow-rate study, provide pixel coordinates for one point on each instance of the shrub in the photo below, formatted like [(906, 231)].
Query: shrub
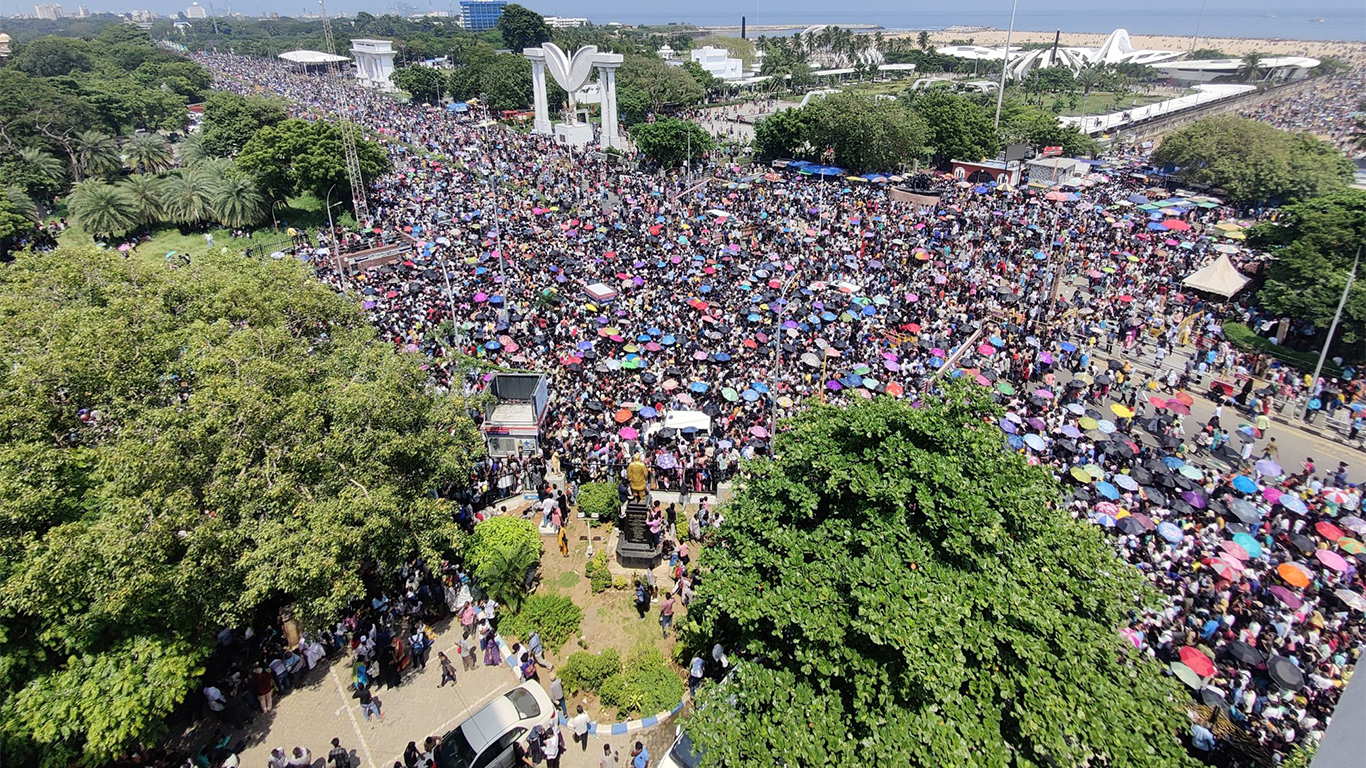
[(599, 501), (599, 576), (620, 582), (555, 617), (646, 685), (1244, 338), (585, 671), (500, 552)]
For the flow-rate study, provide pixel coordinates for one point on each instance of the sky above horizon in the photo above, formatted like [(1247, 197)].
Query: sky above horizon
[(1341, 19)]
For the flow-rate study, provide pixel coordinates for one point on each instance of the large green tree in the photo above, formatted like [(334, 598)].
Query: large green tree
[(297, 156), (672, 142), (423, 83), (522, 27), (101, 209), (867, 134), (957, 127), (894, 588), (182, 450), (230, 120), (1253, 161), (1314, 243), (659, 82)]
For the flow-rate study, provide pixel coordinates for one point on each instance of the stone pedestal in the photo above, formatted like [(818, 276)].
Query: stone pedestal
[(576, 135)]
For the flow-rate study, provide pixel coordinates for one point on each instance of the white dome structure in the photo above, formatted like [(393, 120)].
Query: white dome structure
[(1117, 49)]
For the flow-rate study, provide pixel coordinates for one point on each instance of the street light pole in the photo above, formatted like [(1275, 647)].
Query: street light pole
[(1005, 61), (777, 353), (1351, 278), (332, 238)]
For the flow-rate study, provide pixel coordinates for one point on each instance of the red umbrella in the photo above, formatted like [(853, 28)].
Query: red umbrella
[(1329, 531), (1176, 224), (1197, 661), (622, 416)]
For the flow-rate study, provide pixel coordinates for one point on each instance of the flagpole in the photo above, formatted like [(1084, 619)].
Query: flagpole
[(1351, 277), (1005, 60)]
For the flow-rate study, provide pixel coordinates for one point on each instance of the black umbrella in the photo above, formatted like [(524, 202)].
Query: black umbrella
[(1284, 673), (595, 406), (1213, 698), (1066, 446), (1243, 510), (1116, 365), (1104, 379), (1155, 496), (1243, 653), (1130, 526), (1141, 476), (648, 378), (1082, 494), (1076, 384), (1157, 467), (1237, 528), (711, 410), (1303, 543)]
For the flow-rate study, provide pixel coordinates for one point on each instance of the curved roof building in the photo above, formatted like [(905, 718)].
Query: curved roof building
[(1115, 50)]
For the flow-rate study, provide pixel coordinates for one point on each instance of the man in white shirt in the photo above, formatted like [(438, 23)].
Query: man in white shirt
[(579, 724), (217, 701)]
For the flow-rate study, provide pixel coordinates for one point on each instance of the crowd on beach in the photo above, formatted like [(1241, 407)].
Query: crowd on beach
[(744, 292)]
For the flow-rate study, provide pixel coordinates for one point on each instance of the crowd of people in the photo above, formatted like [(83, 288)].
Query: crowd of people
[(732, 298)]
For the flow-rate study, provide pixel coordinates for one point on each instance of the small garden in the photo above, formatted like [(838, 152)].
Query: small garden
[(614, 663)]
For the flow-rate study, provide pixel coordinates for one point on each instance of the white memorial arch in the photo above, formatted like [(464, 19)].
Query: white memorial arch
[(572, 74)]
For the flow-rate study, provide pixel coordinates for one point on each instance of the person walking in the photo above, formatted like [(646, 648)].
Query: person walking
[(666, 614), (263, 685), (369, 705), (447, 669), (640, 756), (610, 757), (339, 757), (556, 692), (642, 599)]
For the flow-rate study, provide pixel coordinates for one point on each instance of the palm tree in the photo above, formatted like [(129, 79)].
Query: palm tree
[(146, 193), (147, 153), (100, 208), (1251, 68), (214, 169), (96, 154), (236, 202), (45, 167), (923, 40), (186, 196), (190, 151), (18, 200), (1088, 79)]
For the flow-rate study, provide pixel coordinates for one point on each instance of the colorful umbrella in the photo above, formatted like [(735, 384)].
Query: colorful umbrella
[(1198, 662), (1294, 574)]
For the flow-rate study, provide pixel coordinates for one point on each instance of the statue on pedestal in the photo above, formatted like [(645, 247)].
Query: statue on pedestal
[(638, 475)]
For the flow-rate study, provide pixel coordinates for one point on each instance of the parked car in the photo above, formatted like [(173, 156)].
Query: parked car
[(486, 738), (681, 754)]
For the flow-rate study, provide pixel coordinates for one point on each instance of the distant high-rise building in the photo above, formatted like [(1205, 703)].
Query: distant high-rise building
[(564, 22), (196, 11), (4, 45), (49, 11), (82, 12), (478, 15), (142, 17)]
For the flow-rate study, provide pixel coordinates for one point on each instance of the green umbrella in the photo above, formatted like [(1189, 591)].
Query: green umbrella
[(1094, 470), (730, 394), (1005, 388), (1081, 475), (1193, 473), (863, 370)]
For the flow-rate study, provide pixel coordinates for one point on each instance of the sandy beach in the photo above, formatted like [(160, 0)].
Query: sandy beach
[(1230, 45)]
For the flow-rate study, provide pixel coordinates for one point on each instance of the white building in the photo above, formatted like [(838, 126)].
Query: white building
[(1274, 68), (82, 12), (374, 63), (564, 22), (49, 11), (718, 62), (142, 17), (196, 11)]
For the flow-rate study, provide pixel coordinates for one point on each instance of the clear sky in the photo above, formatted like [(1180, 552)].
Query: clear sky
[(1342, 19)]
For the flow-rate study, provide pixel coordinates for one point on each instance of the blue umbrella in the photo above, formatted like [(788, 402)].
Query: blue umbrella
[(1100, 518), (1068, 346), (495, 299), (1172, 462), (643, 337), (1244, 484), (828, 316), (1014, 442), (997, 341), (750, 395), (1035, 442), (759, 386), (648, 412), (752, 317), (493, 345), (1008, 426), (1156, 226), (1293, 503), (668, 340), (1170, 532), (698, 387), (1107, 490), (870, 310), (653, 331), (722, 357)]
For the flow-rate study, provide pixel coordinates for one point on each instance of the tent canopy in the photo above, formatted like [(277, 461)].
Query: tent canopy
[(311, 57), (1219, 277)]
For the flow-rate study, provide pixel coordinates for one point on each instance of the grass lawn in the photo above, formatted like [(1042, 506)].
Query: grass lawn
[(1101, 102), (305, 211)]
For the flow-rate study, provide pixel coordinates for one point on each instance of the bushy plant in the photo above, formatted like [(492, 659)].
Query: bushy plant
[(599, 576), (646, 684), (599, 501), (620, 582), (585, 671), (500, 552), (555, 617)]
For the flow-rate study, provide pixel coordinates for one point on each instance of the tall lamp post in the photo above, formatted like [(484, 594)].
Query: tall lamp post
[(332, 237), (1005, 62), (778, 351), (1328, 342)]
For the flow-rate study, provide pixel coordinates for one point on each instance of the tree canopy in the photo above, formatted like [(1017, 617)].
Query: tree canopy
[(662, 84), (956, 127), (1253, 161), (425, 84), (671, 142), (1314, 243), (297, 156), (897, 589), (522, 27), (181, 450), (230, 121), (865, 134)]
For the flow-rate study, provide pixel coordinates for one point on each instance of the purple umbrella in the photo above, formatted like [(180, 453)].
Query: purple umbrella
[(1008, 426), (1036, 423), (1046, 358), (1291, 600), (1194, 499), (833, 386), (1071, 431)]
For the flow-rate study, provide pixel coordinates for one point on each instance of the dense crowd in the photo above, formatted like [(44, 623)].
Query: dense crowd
[(651, 299)]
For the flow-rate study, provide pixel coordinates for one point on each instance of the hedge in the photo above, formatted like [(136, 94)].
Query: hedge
[(555, 617)]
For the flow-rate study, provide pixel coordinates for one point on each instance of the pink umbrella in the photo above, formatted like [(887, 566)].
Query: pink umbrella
[(1331, 560), (986, 349), (937, 352), (629, 433), (1234, 549), (1043, 393), (481, 297), (1272, 495), (758, 431)]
